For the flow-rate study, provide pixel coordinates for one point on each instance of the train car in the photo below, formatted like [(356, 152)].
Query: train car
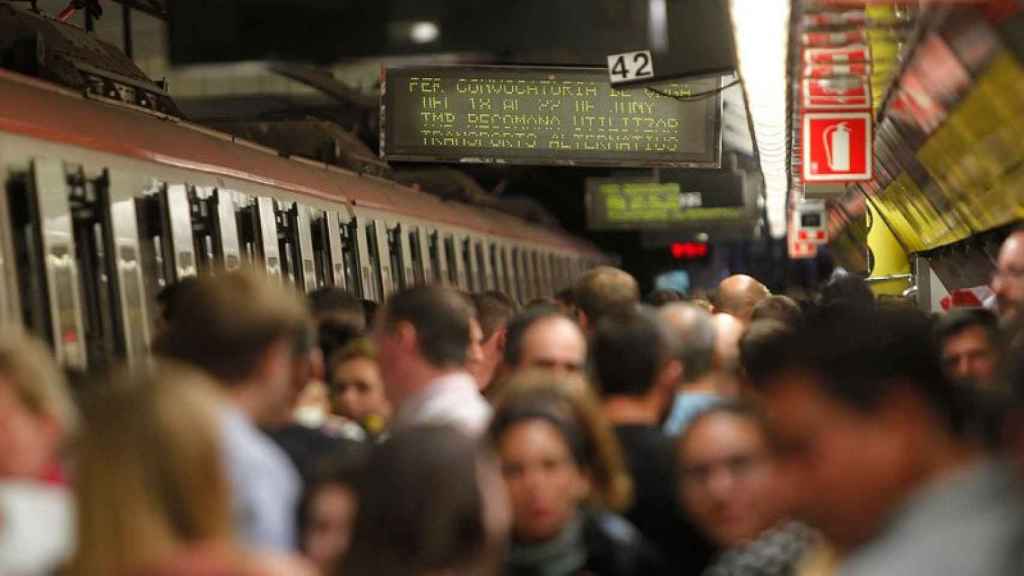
[(105, 203)]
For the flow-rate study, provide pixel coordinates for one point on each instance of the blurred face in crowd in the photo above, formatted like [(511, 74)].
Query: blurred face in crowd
[(850, 467), (728, 479), (475, 351), (1008, 279), (555, 344), (545, 484), (28, 441), (970, 356), (358, 391), (332, 513)]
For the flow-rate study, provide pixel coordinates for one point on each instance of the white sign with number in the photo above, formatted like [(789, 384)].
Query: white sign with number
[(630, 66)]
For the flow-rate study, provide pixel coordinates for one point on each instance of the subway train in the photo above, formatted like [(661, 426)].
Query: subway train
[(107, 202)]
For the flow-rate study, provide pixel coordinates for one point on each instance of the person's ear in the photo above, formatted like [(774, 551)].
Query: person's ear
[(502, 336), (408, 339)]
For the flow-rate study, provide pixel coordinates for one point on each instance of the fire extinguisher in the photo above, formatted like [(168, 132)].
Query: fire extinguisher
[(837, 147)]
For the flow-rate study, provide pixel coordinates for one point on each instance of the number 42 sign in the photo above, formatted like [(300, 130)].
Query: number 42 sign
[(630, 67)]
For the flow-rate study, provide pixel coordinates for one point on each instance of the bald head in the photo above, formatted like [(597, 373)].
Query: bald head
[(1008, 280), (737, 296), (695, 333), (553, 343), (605, 291), (728, 331)]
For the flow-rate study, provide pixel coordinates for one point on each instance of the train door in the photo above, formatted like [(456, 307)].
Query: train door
[(455, 268), (295, 245), (438, 257), (507, 271), (401, 257), (258, 235), (369, 279), (385, 268), (328, 254), (42, 242), (483, 264), (10, 311), (470, 264), (214, 228), (419, 253)]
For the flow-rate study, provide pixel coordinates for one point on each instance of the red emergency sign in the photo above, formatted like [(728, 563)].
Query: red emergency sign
[(845, 55), (848, 93), (836, 146)]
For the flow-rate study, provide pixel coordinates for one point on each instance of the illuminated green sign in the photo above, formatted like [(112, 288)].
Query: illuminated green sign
[(617, 204), (532, 115)]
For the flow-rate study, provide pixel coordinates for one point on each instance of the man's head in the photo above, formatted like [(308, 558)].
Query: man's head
[(728, 331), (636, 355), (779, 308), (696, 335), (545, 338), (249, 331), (737, 296), (1008, 278), (604, 291), (727, 479), (968, 341), (36, 410), (494, 310), (420, 333), (862, 413), (335, 306)]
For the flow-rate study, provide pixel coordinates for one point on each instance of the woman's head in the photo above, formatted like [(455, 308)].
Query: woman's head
[(328, 509), (357, 391), (150, 477), (432, 503), (557, 452), (728, 482)]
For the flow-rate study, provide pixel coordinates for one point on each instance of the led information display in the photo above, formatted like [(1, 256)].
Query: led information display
[(617, 204), (561, 116)]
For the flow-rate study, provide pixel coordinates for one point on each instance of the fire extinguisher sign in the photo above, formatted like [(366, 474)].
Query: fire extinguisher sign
[(836, 146)]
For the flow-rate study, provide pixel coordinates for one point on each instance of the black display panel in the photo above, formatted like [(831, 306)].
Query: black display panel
[(617, 204), (546, 116)]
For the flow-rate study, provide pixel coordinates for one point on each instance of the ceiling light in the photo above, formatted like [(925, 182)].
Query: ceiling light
[(424, 32)]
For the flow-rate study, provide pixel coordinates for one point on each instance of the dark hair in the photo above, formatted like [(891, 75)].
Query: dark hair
[(628, 351), (170, 296), (848, 290), (961, 319), (604, 291), (493, 310), (566, 297), (441, 318), (728, 407), (759, 344), (421, 509), (663, 296), (344, 467), (338, 304), (518, 326), (859, 354), (777, 307)]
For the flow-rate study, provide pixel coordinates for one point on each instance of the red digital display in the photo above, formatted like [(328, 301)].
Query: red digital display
[(688, 250)]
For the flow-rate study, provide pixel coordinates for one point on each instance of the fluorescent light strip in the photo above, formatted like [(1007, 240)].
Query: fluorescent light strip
[(761, 32)]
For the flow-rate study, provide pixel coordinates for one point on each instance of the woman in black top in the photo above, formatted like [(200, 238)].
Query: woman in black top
[(564, 473)]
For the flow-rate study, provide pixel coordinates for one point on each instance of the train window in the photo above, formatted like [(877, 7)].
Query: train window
[(93, 240), (247, 226), (517, 277), (267, 238), (468, 267), (449, 251), (350, 256), (43, 247), (483, 282), (325, 241), (394, 236), (507, 273), (287, 240), (437, 264), (416, 257), (374, 262)]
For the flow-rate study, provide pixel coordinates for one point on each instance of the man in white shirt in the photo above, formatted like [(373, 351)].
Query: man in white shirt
[(422, 335)]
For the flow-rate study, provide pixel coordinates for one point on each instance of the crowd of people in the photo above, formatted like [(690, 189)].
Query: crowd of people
[(589, 434)]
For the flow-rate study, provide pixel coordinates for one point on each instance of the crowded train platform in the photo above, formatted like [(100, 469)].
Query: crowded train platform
[(511, 288)]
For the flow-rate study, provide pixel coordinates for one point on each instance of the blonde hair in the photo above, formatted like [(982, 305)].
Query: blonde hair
[(532, 392), (36, 380), (356, 348), (150, 478)]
